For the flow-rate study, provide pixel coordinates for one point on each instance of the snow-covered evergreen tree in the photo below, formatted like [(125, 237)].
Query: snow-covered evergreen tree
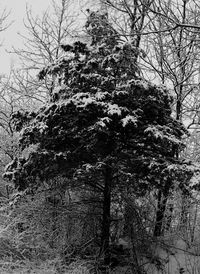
[(103, 119)]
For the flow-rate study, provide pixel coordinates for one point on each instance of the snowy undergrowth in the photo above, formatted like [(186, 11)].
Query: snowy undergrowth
[(48, 267), (176, 259), (20, 267)]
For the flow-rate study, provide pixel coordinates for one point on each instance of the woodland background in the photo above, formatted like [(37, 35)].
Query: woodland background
[(99, 147)]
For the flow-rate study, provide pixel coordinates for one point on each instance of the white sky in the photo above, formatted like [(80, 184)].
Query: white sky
[(10, 36)]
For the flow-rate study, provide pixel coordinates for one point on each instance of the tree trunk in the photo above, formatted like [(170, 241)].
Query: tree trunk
[(184, 213), (169, 217), (160, 214), (105, 237), (194, 224), (135, 266)]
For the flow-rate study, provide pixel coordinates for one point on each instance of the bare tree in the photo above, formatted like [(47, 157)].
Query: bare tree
[(46, 34), (173, 59), (42, 43), (130, 18)]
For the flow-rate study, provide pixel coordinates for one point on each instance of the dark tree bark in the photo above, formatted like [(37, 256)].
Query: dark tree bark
[(184, 212), (169, 217), (159, 216), (161, 207), (105, 237)]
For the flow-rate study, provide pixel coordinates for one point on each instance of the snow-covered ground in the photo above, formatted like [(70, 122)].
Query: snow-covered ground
[(179, 259)]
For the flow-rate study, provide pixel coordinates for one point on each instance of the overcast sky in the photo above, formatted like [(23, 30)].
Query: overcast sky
[(17, 8), (10, 37)]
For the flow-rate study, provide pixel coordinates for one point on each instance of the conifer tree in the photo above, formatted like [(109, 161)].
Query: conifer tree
[(105, 128)]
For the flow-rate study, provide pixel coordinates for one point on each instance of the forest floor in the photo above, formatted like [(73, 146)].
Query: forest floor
[(176, 258)]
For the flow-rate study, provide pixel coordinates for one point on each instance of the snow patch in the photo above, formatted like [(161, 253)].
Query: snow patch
[(103, 122), (101, 95), (129, 119), (42, 127), (152, 130), (114, 109)]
